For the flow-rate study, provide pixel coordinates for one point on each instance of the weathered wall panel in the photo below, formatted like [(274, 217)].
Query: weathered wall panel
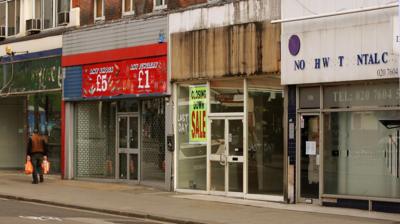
[(175, 4), (243, 49), (114, 36)]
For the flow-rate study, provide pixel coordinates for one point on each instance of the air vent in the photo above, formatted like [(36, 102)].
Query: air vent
[(63, 18), (33, 26)]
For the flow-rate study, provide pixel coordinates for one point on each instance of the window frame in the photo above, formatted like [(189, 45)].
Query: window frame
[(55, 12), (98, 18), (130, 12), (159, 7), (16, 24)]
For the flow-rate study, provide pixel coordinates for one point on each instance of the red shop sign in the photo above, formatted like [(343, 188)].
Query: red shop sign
[(138, 76)]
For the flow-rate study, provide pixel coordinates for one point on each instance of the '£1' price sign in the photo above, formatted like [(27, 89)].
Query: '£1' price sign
[(144, 75)]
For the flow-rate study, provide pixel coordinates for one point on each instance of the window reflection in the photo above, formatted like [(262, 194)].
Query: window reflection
[(352, 142)]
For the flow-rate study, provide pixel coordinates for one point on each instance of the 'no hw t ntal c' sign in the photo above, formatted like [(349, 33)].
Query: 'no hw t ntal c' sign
[(197, 114), (137, 76)]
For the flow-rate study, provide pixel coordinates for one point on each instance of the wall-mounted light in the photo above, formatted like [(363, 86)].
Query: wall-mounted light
[(10, 52)]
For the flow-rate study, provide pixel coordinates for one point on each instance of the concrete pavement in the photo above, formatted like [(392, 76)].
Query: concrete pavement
[(141, 201)]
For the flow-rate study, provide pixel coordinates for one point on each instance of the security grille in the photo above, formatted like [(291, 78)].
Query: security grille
[(95, 140), (153, 140)]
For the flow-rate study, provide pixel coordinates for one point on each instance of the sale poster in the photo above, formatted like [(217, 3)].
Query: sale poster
[(136, 76), (197, 114)]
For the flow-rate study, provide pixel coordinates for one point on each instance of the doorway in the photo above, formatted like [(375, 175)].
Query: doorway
[(128, 155), (226, 156), (309, 158)]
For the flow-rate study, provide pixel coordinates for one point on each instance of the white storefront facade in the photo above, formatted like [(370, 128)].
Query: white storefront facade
[(340, 66)]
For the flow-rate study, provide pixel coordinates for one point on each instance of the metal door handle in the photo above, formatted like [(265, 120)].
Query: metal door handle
[(222, 160)]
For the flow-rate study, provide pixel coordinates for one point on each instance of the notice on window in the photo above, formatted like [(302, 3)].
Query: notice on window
[(311, 147), (197, 114)]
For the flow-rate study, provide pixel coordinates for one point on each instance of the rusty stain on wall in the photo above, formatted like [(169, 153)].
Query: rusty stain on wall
[(237, 50)]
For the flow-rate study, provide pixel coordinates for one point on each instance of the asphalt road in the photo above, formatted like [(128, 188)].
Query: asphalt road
[(20, 212)]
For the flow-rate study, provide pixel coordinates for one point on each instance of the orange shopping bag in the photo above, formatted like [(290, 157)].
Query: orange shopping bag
[(45, 166), (28, 167)]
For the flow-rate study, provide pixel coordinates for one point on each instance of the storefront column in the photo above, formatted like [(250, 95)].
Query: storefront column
[(68, 140)]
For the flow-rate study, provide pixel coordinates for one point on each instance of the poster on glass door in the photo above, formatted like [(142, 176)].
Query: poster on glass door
[(197, 114)]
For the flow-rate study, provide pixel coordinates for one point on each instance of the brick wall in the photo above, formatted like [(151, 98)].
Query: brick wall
[(113, 9), (87, 16)]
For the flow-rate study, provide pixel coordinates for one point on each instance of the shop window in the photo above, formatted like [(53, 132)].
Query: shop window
[(9, 17), (192, 150), (95, 139), (44, 114), (48, 10), (265, 140), (361, 153), (160, 4), (99, 9), (309, 97), (227, 96), (128, 7)]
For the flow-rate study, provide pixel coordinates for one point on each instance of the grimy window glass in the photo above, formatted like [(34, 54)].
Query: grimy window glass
[(309, 97), (369, 94), (265, 140), (2, 14), (11, 18), (17, 15), (38, 9), (99, 8), (192, 157), (63, 6), (361, 153), (128, 5), (227, 96), (48, 18)]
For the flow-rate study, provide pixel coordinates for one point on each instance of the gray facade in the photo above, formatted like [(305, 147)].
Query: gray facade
[(114, 36)]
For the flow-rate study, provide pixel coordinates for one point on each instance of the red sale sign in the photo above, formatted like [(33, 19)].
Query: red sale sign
[(137, 76)]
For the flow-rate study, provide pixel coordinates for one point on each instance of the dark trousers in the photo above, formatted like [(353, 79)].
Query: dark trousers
[(37, 159)]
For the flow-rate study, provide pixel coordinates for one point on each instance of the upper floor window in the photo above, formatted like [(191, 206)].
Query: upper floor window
[(49, 12), (9, 17), (160, 4), (98, 9), (128, 7)]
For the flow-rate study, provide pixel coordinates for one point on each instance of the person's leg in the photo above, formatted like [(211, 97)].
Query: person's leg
[(35, 162), (40, 168)]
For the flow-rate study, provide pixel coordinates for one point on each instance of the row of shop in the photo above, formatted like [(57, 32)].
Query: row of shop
[(183, 106)]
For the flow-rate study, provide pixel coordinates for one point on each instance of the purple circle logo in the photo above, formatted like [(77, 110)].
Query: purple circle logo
[(294, 45)]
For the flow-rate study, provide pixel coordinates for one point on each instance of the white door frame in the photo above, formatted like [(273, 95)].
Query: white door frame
[(227, 157), (128, 151)]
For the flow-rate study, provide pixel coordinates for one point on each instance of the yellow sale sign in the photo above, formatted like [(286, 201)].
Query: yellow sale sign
[(197, 114)]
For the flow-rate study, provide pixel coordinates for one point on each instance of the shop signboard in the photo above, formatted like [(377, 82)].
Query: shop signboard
[(197, 114), (137, 76), (339, 48)]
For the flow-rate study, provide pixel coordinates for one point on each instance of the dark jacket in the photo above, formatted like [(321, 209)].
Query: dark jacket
[(36, 144)]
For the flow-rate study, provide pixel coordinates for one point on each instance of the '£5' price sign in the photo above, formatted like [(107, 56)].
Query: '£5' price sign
[(101, 83)]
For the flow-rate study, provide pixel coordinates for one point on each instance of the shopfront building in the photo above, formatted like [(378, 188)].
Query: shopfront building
[(343, 106), (228, 117), (117, 101), (30, 90)]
